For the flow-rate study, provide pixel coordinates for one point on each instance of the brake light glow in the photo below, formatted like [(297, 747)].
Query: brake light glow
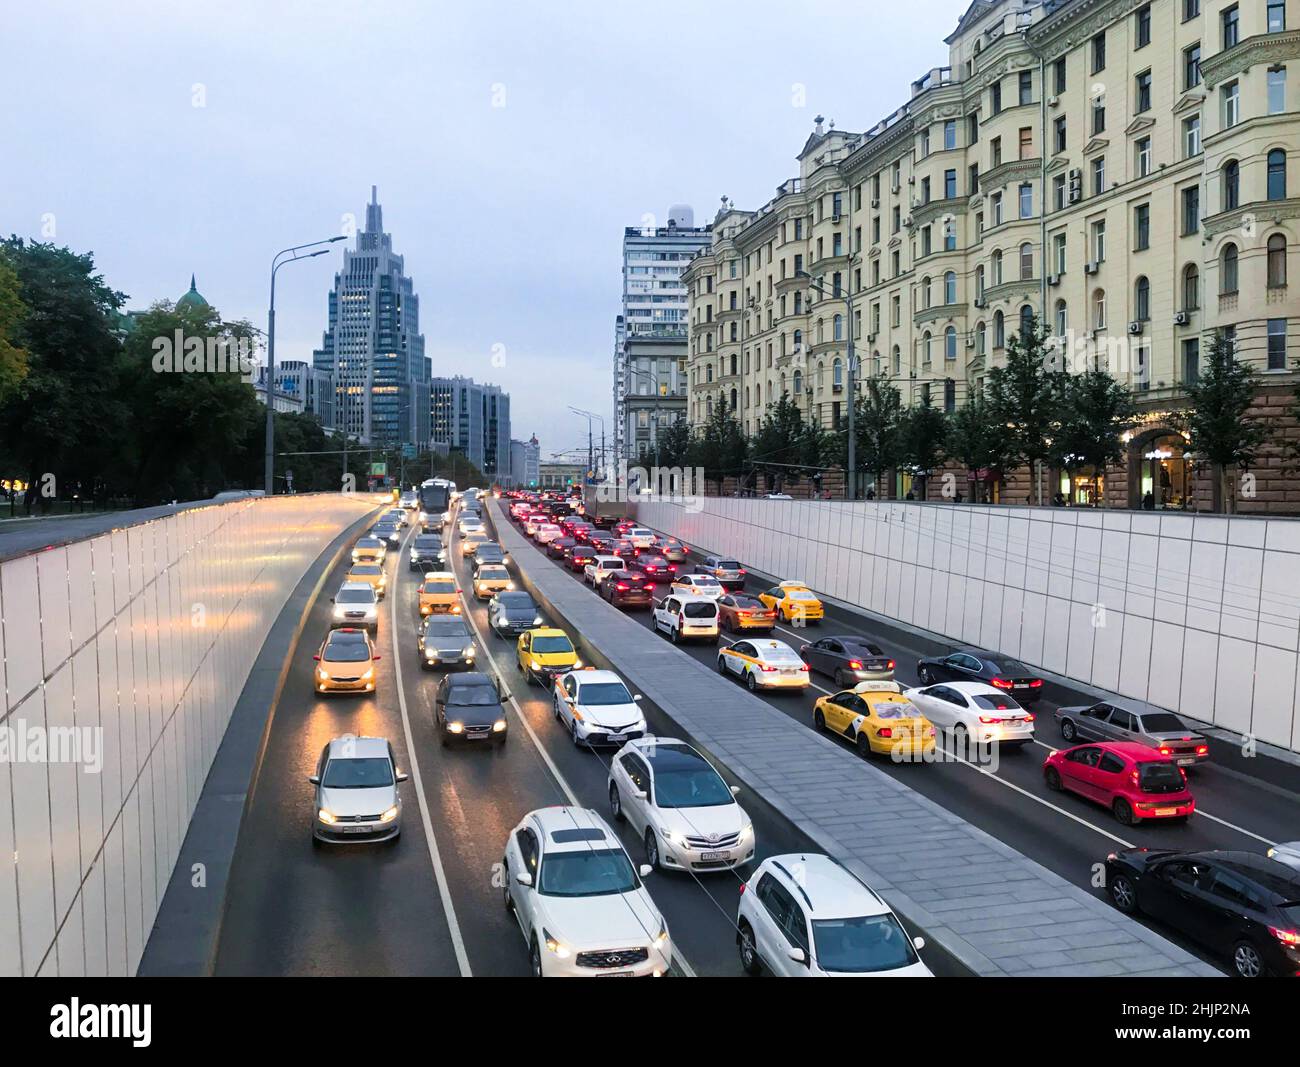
[(1287, 937), (1029, 717), (804, 667), (767, 668), (890, 665), (1000, 683), (884, 731), (1202, 750), (855, 664), (989, 720), (1035, 683)]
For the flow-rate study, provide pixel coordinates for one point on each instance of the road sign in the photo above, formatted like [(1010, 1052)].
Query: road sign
[(408, 451), (379, 470)]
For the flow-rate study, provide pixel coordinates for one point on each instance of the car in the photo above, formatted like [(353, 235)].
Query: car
[(471, 524), (678, 805), (977, 665), (511, 613), (410, 500), (655, 568), (976, 712), (879, 719), (808, 916), (596, 708), (738, 612), (848, 658), (682, 618), (345, 662), (764, 664), (1243, 907), (1134, 781), (439, 594), (491, 579), (356, 604), (1287, 852), (640, 536), (371, 574), (621, 546), (444, 641), (555, 549), (672, 550), (626, 589), (545, 652), (577, 558), (370, 550), (357, 799), (470, 541), (729, 573), (794, 602), (397, 516), (1110, 720), (489, 552), (704, 585), (389, 533), (546, 533), (427, 553), (600, 568), (533, 522), (579, 902), (467, 707)]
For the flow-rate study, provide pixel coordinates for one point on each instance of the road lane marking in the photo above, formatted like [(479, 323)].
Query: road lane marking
[(444, 891)]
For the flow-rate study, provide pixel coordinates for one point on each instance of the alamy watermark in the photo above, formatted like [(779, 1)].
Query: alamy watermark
[(23, 742), (178, 353), (674, 485)]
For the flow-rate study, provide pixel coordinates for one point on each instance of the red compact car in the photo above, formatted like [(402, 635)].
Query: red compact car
[(1136, 782)]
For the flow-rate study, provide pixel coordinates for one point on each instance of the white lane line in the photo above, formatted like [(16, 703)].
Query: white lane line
[(444, 891), (1233, 826)]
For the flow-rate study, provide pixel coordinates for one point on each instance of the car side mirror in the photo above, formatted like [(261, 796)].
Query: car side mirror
[(505, 697), (735, 790), (402, 776), (316, 658), (918, 943), (376, 657), (314, 779), (524, 878), (797, 954), (637, 696), (639, 794), (646, 870)]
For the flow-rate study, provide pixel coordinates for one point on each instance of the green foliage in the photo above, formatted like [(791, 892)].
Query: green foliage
[(978, 440), (719, 445), (1025, 395), (1217, 418), (1095, 410), (878, 419), (922, 437), (13, 359)]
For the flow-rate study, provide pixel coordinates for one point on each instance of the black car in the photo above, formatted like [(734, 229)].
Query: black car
[(655, 568), (467, 707), (489, 552), (627, 589), (849, 659), (388, 532), (555, 549), (427, 553), (444, 641), (1242, 906), (510, 613), (578, 557), (979, 665)]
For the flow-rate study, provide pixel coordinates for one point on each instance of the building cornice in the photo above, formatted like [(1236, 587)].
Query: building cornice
[(1260, 214), (1253, 51), (1005, 173), (1073, 25)]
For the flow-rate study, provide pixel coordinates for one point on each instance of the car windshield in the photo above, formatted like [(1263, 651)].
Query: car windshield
[(345, 651), (368, 773), (370, 542), (473, 696), (425, 541), (438, 587), (698, 787), (446, 628), (493, 573), (597, 693), (1162, 723), (356, 596), (368, 569), (586, 873), (892, 710), (1160, 778), (699, 610), (517, 601), (551, 644), (858, 945)]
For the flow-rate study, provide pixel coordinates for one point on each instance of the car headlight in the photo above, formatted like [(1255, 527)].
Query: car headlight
[(661, 938), (368, 675), (576, 663), (430, 654), (338, 611), (389, 815), (557, 947), (326, 817), (456, 727), (323, 673), (469, 651), (498, 726), (675, 838), (370, 612), (510, 585), (748, 831)]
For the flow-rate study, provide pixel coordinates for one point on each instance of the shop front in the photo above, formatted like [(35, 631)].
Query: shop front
[(1160, 472)]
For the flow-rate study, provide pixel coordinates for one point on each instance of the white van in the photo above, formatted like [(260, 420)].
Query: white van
[(685, 617)]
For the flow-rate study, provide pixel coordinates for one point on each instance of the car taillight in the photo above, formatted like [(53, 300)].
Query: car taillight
[(1287, 937), (1165, 750), (1202, 750), (767, 668), (1001, 683), (742, 571), (1035, 683), (804, 667), (890, 665), (855, 664), (621, 585), (988, 720), (1134, 779), (1029, 718), (884, 731)]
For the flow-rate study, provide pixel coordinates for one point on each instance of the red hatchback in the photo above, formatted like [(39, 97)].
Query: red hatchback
[(1136, 782)]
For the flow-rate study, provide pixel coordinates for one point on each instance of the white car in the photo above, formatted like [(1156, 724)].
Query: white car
[(580, 904), (356, 604), (356, 781), (601, 568), (641, 537), (978, 711), (764, 664), (596, 708), (684, 617), (547, 532), (397, 516), (471, 526), (677, 803), (699, 585), (533, 521), (409, 500), (809, 917)]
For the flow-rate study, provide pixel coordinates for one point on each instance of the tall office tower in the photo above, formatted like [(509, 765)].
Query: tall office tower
[(474, 420), (373, 347)]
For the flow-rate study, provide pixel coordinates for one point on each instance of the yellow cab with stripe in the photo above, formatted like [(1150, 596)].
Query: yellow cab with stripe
[(544, 653), (794, 602), (879, 720)]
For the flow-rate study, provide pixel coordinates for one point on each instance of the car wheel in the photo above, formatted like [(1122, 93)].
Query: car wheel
[(1123, 894), (1053, 779), (1247, 962), (1068, 730), (750, 683), (819, 721), (676, 635), (749, 961), (316, 842), (722, 665), (615, 805), (445, 739), (839, 679), (961, 740), (573, 733), (651, 849), (535, 957), (555, 707), (862, 745), (1123, 811)]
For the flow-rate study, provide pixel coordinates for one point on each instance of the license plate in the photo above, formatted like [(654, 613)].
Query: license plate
[(1022, 685), (615, 974), (788, 670), (616, 737), (356, 829), (706, 856), (1166, 811), (1187, 761)]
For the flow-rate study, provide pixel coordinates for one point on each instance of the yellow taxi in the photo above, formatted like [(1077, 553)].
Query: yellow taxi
[(439, 594), (490, 579), (470, 541), (794, 602), (879, 719), (345, 662), (369, 550), (545, 653), (372, 574)]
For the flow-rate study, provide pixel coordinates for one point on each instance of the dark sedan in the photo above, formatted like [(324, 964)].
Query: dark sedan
[(849, 659), (512, 612), (444, 641), (655, 568), (490, 553), (1244, 907), (578, 559), (555, 549), (627, 589), (977, 665), (672, 550), (428, 553), (467, 707)]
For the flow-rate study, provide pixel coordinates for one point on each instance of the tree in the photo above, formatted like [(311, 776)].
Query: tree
[(922, 437), (980, 442), (13, 359), (674, 444), (719, 446), (781, 444), (1025, 394), (877, 420), (1095, 410), (1218, 420)]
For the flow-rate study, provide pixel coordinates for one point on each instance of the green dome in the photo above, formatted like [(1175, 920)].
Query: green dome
[(193, 298)]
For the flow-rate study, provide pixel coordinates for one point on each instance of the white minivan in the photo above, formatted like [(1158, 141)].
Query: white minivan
[(685, 617)]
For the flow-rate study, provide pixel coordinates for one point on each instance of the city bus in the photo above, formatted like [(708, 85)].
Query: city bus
[(435, 502)]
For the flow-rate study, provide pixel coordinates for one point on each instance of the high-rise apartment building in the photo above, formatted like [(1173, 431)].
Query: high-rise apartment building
[(525, 457), (473, 420)]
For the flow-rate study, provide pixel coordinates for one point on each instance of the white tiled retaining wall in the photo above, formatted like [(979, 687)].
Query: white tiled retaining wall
[(1200, 614), (148, 633)]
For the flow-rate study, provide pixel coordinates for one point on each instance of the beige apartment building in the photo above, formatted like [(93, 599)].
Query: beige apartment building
[(1119, 169)]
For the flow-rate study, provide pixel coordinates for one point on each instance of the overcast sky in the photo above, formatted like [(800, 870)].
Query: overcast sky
[(510, 217)]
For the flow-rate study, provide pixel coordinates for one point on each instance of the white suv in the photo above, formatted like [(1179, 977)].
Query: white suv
[(601, 568), (685, 814), (684, 617), (580, 904), (356, 604), (807, 916)]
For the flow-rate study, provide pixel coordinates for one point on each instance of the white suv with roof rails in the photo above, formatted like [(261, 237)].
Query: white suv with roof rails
[(580, 904), (808, 916)]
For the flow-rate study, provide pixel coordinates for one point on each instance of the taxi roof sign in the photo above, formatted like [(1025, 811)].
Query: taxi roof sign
[(877, 687)]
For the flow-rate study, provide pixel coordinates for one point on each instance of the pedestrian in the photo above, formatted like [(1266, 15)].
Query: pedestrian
[(910, 495), (871, 492), (1148, 501)]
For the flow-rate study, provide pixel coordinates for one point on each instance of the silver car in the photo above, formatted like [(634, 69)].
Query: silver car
[(1287, 852), (356, 783), (1109, 721)]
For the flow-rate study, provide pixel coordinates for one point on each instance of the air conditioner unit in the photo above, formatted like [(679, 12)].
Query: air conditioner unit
[(1135, 326), (1053, 279), (1091, 267), (1076, 194), (875, 203), (1180, 318), (871, 338), (835, 217), (980, 302), (1053, 101), (908, 222), (970, 342), (911, 179)]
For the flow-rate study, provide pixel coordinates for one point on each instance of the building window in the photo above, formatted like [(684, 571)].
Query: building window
[(1277, 174), (1192, 136), (1058, 76), (979, 283), (925, 293), (1191, 210), (997, 267), (999, 330), (1191, 360), (1099, 241), (995, 98), (1230, 95), (1026, 87), (1192, 66), (1228, 271), (1026, 261), (950, 135), (1027, 200), (837, 373), (1058, 245), (1276, 16), (1277, 261), (1191, 287), (1099, 114), (1099, 176), (981, 340), (1143, 153), (1231, 22), (1099, 309), (950, 288), (1142, 300), (1142, 227), (1099, 52), (1143, 101), (1026, 322), (1059, 137), (950, 343), (926, 342), (1062, 319), (1191, 9), (1231, 185), (1142, 20), (1277, 344), (996, 199), (838, 327), (949, 396), (1276, 90)]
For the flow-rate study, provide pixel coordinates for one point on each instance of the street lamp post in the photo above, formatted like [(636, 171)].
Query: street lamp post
[(851, 492), (591, 458), (276, 264)]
